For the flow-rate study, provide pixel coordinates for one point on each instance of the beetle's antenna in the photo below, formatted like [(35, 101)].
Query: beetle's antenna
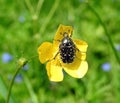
[(65, 34), (57, 40)]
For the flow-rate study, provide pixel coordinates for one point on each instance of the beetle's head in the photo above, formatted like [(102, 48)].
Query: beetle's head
[(65, 34)]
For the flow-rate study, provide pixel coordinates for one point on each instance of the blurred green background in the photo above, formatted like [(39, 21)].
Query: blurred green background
[(25, 24)]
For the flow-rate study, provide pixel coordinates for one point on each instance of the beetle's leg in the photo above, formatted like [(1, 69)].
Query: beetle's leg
[(81, 53), (70, 33), (54, 57), (78, 57), (79, 50)]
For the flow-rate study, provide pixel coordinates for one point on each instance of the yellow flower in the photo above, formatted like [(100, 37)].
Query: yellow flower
[(52, 54)]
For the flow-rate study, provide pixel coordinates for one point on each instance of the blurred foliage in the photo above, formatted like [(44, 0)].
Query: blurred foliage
[(22, 30)]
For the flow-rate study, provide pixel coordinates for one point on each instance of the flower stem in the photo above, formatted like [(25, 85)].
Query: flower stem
[(32, 57), (39, 5), (12, 82), (52, 11), (30, 90), (29, 5), (106, 32)]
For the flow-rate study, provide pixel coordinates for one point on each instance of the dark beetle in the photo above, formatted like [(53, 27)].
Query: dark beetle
[(67, 49)]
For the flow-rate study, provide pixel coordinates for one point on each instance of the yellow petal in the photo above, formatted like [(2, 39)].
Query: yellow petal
[(74, 65), (81, 45), (80, 55), (60, 33), (46, 52), (54, 70), (79, 72)]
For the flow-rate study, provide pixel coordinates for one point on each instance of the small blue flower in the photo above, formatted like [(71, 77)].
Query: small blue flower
[(18, 78), (106, 66), (6, 57), (21, 19), (117, 47), (25, 67)]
